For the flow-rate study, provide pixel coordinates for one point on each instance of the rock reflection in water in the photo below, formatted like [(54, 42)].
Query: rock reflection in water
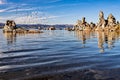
[(101, 41), (10, 37), (58, 52), (83, 36), (103, 38)]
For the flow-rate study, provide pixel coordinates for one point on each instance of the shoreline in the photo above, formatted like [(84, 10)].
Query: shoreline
[(83, 74)]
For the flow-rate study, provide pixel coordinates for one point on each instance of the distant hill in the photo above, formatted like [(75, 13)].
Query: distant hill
[(40, 25), (44, 26), (1, 25)]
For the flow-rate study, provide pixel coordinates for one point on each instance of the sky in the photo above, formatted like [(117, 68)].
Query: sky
[(56, 11)]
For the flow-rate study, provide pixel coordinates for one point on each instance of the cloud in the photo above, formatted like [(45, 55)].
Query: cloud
[(2, 2), (23, 8), (18, 10), (5, 9), (30, 18), (53, 1), (2, 10), (10, 7), (42, 1), (24, 13), (19, 7), (34, 19)]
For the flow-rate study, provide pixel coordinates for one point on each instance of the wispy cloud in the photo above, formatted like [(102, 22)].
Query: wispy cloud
[(31, 18), (53, 1), (2, 2), (3, 10), (43, 1), (10, 7), (34, 19), (6, 9), (25, 13), (18, 9), (23, 8)]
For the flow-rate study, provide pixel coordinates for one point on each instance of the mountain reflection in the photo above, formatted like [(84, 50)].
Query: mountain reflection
[(104, 39)]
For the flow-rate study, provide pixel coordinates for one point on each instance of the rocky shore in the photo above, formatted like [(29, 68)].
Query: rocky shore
[(85, 74)]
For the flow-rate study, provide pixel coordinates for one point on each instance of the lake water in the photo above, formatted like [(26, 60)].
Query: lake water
[(51, 52)]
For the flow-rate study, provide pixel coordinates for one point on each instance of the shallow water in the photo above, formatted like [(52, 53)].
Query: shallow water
[(51, 52)]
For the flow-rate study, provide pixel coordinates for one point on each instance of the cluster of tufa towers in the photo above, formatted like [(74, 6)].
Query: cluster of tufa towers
[(108, 24), (10, 27)]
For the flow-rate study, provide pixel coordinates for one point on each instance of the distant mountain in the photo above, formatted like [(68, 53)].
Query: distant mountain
[(44, 25), (40, 25), (1, 25)]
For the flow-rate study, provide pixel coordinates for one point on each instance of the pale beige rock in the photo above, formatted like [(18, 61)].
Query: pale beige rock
[(83, 20), (102, 22), (111, 20), (81, 25), (9, 26)]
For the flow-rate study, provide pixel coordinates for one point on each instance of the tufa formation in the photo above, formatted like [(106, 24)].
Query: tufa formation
[(10, 27), (103, 24)]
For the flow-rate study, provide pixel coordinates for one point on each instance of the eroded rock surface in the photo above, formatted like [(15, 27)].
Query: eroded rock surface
[(103, 24), (10, 27)]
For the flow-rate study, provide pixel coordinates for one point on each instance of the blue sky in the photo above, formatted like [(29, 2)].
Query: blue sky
[(56, 11)]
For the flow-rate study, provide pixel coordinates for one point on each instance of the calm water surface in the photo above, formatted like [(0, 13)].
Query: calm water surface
[(24, 55)]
